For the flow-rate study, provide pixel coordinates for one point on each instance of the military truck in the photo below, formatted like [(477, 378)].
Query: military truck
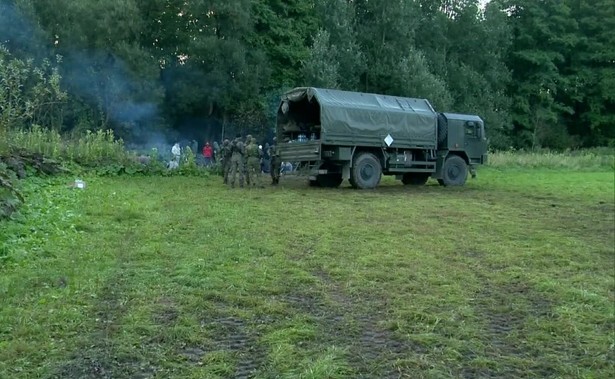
[(337, 135)]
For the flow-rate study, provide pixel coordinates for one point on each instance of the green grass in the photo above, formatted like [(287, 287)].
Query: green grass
[(596, 159), (176, 277)]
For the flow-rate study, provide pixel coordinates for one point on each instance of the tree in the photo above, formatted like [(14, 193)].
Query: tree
[(322, 69), (413, 78), (216, 75), (283, 31), (386, 32), (105, 67), (544, 32), (590, 67), (343, 50)]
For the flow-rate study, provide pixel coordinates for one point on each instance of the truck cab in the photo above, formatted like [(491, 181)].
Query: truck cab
[(462, 135)]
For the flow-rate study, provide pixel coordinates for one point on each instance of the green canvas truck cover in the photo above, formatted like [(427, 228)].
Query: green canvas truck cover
[(355, 117)]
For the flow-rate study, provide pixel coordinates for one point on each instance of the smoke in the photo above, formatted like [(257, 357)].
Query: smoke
[(99, 78), (106, 91), (18, 34), (103, 79)]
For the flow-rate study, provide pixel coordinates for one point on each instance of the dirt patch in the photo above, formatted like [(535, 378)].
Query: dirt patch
[(193, 355), (166, 313)]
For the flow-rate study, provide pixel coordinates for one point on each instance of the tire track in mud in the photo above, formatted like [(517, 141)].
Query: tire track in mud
[(372, 351), (98, 357), (504, 309), (230, 334)]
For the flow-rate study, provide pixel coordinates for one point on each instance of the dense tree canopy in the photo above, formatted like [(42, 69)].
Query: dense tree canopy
[(540, 72)]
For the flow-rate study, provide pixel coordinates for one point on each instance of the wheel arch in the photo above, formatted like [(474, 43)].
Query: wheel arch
[(462, 154), (377, 151), (443, 156)]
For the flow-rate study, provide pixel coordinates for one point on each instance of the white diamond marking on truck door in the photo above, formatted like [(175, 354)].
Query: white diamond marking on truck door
[(388, 140)]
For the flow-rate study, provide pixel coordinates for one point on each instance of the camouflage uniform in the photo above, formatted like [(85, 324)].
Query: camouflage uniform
[(253, 156), (237, 157), (245, 160), (225, 159), (274, 170)]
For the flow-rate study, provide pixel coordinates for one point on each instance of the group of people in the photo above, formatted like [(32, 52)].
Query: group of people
[(241, 161)]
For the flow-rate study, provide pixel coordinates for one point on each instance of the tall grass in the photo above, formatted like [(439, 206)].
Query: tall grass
[(89, 149), (100, 150), (102, 147), (588, 159)]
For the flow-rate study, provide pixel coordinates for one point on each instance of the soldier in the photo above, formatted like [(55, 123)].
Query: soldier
[(216, 152), (245, 160), (274, 155), (237, 157), (226, 159), (253, 155)]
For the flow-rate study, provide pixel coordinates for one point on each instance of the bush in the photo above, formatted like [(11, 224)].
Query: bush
[(10, 197)]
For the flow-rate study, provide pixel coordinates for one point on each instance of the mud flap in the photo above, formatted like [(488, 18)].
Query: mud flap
[(439, 164), (346, 171)]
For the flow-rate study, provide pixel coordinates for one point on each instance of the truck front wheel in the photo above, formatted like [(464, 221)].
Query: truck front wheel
[(366, 171), (454, 172)]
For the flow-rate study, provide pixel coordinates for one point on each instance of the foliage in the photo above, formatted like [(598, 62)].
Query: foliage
[(322, 69), (10, 197), (182, 277), (90, 149), (539, 73), (29, 93)]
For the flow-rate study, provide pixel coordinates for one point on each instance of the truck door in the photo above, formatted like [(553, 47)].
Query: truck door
[(475, 140)]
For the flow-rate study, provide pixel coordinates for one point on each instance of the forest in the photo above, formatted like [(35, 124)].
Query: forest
[(541, 73)]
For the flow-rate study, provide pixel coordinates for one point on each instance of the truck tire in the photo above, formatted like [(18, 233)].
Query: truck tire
[(415, 179), (329, 180), (366, 171), (454, 172), (442, 128), (353, 184)]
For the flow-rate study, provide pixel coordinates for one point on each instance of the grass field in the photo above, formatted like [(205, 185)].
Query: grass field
[(510, 276)]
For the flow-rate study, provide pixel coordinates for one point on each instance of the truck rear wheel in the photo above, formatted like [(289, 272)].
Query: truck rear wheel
[(366, 171), (454, 172), (415, 179)]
